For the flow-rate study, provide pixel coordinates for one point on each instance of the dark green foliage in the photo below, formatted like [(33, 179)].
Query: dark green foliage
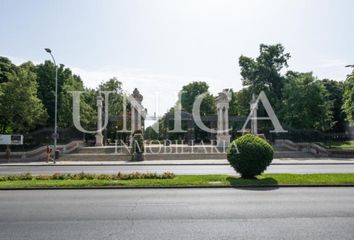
[(115, 107), (250, 155), (67, 82), (306, 103), (264, 72), (151, 134), (20, 108), (348, 97), (335, 91), (7, 69), (191, 91)]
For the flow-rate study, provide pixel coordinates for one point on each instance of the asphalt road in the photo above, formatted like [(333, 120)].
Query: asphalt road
[(177, 169), (284, 213)]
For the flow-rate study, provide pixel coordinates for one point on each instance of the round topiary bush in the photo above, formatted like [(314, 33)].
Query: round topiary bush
[(250, 155)]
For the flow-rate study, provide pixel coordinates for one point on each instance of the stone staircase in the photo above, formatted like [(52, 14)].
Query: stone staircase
[(172, 152), (152, 152), (284, 152)]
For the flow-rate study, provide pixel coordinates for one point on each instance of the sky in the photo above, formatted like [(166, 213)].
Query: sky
[(158, 46)]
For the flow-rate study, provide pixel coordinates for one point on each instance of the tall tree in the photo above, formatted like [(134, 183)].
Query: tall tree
[(264, 72), (115, 106), (348, 98), (20, 108), (335, 91), (242, 101), (189, 94), (7, 69), (67, 81), (306, 103), (46, 87)]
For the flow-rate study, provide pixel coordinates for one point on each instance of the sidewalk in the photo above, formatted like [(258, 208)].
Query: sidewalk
[(283, 161)]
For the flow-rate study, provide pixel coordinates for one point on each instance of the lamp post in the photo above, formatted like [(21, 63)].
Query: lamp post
[(55, 135)]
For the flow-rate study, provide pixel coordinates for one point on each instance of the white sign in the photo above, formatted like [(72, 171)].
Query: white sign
[(11, 139)]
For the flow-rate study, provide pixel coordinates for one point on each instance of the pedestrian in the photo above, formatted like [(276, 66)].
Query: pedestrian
[(8, 153), (49, 154)]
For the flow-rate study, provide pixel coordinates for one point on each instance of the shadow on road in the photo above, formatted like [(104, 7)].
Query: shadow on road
[(264, 184)]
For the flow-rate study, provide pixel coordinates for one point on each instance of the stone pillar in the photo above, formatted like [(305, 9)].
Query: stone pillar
[(226, 118), (222, 104), (254, 109), (99, 136)]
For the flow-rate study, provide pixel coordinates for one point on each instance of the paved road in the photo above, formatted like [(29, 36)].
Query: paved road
[(284, 213), (185, 169)]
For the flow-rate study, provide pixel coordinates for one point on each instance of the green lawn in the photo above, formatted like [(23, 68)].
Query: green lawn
[(338, 145), (192, 180)]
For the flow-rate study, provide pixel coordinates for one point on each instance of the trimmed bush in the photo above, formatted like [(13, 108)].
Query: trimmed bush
[(250, 155)]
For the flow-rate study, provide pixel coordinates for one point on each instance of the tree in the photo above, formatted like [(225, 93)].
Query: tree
[(67, 81), (348, 98), (242, 102), (335, 91), (46, 87), (263, 73), (189, 94), (20, 108), (65, 105), (7, 69), (306, 103), (115, 106)]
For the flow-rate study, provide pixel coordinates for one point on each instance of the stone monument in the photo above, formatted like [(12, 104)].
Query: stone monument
[(99, 136), (137, 112), (254, 109), (222, 105)]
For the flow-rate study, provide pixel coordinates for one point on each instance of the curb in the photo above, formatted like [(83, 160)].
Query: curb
[(160, 164), (180, 187)]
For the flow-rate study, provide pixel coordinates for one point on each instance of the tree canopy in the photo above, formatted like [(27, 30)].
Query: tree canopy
[(348, 98), (263, 73), (306, 103), (191, 91), (20, 108)]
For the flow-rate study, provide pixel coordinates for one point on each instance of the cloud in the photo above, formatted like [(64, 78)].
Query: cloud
[(330, 63)]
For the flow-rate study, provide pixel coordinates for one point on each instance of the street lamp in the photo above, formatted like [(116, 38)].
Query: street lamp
[(55, 135)]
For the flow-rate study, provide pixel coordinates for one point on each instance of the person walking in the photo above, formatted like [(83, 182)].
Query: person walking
[(49, 154)]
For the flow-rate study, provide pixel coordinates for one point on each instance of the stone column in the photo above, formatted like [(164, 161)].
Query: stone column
[(222, 104), (226, 119), (254, 107), (99, 136), (219, 120)]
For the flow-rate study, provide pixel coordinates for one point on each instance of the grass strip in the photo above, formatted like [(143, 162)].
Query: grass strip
[(192, 180)]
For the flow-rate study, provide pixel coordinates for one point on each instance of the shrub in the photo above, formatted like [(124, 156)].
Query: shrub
[(104, 177), (25, 176), (58, 176), (43, 177), (250, 155), (89, 176)]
